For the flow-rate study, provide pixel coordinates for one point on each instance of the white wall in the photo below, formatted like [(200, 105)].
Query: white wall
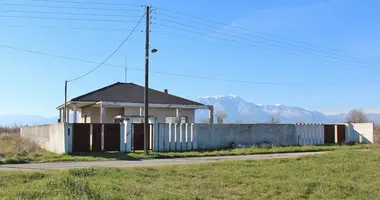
[(310, 134), (181, 137), (174, 137), (361, 132), (52, 137)]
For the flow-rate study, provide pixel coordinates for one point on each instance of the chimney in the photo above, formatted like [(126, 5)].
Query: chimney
[(166, 91)]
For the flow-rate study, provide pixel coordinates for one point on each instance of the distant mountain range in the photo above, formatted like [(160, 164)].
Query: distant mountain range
[(237, 109)]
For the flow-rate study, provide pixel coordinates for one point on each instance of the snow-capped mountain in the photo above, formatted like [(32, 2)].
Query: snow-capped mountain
[(239, 110)]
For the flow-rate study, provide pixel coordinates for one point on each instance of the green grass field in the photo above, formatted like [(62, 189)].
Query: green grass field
[(346, 174), (18, 151)]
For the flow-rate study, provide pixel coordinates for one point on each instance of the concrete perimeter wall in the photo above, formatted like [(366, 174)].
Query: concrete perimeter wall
[(223, 135), (361, 132), (53, 137)]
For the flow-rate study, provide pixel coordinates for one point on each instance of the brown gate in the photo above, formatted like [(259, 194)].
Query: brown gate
[(329, 134), (111, 137), (96, 138), (341, 133), (138, 137), (81, 137)]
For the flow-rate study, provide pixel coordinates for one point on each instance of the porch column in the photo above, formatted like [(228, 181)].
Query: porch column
[(178, 115), (102, 113), (67, 115), (211, 114), (141, 111), (60, 115), (75, 112)]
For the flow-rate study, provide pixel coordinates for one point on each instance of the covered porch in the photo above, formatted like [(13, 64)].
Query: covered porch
[(108, 112)]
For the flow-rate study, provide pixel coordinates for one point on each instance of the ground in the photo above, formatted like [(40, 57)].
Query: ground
[(147, 162), (343, 174)]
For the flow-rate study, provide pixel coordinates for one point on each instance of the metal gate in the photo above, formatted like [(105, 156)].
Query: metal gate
[(96, 138), (111, 137), (81, 137), (329, 134), (341, 133), (138, 137), (88, 137)]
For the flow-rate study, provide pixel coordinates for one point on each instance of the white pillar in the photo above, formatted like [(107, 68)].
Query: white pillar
[(60, 115), (123, 137), (178, 115), (211, 114), (348, 132), (102, 113), (75, 112), (155, 136), (141, 111), (336, 134), (68, 115), (128, 135)]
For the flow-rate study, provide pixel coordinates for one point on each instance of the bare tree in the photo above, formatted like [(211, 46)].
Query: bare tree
[(220, 116), (274, 120), (356, 116)]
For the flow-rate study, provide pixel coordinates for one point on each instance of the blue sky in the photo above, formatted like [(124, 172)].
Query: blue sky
[(321, 55)]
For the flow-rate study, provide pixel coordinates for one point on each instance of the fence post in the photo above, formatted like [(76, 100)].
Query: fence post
[(166, 137), (348, 132), (122, 137), (177, 137), (194, 136), (156, 136), (161, 137), (68, 132), (183, 136), (322, 127), (336, 134), (128, 133), (172, 136), (301, 135)]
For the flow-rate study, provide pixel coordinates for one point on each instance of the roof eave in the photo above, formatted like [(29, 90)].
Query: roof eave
[(154, 105), (68, 104)]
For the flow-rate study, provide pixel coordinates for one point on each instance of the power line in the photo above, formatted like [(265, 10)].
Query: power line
[(246, 29), (62, 57), (113, 53), (254, 82), (277, 44), (66, 7), (70, 19), (87, 2), (256, 53), (262, 47), (177, 74), (70, 13), (58, 27)]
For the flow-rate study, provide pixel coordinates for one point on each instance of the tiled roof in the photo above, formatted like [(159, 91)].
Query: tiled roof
[(132, 93)]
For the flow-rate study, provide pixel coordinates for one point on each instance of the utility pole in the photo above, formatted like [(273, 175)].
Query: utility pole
[(64, 109), (146, 103)]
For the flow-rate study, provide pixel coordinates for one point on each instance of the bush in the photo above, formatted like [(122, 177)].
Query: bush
[(16, 146)]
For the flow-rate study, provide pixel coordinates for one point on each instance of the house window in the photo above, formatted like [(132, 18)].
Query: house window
[(181, 120)]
